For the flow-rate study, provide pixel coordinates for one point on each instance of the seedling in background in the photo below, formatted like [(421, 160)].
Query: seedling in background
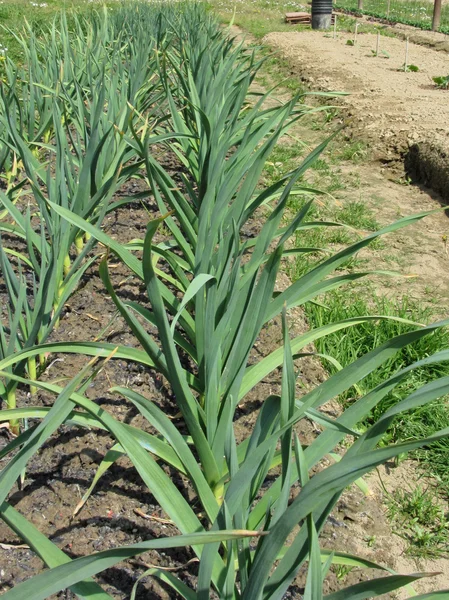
[(409, 68), (384, 53), (376, 53), (442, 82)]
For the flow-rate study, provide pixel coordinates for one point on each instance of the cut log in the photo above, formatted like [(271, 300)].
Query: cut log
[(303, 18), (297, 17)]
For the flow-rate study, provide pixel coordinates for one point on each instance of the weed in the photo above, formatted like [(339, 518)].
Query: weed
[(422, 521), (356, 214), (321, 165), (318, 121), (402, 180), (342, 571), (442, 82), (409, 68), (284, 158), (356, 151)]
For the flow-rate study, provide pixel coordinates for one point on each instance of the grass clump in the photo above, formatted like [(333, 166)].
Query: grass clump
[(353, 344), (420, 519), (356, 152)]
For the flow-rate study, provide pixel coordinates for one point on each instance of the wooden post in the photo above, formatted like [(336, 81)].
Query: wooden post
[(436, 15), (388, 8), (377, 43), (355, 33), (335, 26), (360, 4), (406, 55)]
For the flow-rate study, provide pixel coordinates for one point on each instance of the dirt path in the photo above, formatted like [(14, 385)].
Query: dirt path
[(419, 251), (388, 107), (388, 110)]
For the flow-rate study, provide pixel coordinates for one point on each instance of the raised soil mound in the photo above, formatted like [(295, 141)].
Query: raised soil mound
[(428, 163), (400, 114)]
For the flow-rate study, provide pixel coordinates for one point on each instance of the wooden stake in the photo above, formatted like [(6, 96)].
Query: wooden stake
[(388, 8), (355, 33), (406, 55), (335, 26), (377, 43), (436, 15)]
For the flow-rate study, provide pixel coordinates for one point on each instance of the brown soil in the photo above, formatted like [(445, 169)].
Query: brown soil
[(419, 251), (398, 113), (427, 162), (386, 106)]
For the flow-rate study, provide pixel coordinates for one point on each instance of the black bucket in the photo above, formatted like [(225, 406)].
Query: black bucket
[(321, 14)]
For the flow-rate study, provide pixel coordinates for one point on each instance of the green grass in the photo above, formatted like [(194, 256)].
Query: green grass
[(429, 539), (354, 216), (352, 344), (355, 151), (421, 520)]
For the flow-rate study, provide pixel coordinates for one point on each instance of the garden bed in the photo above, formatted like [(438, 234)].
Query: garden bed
[(427, 162), (228, 441), (391, 109)]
